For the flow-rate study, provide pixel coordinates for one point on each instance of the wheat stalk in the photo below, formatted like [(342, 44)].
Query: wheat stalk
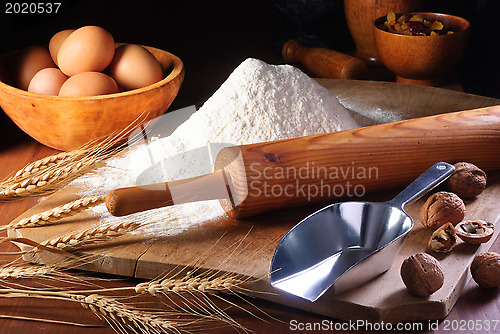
[(106, 307), (50, 173), (48, 321), (194, 293), (123, 318), (23, 272), (89, 237), (43, 164), (18, 273), (11, 276), (189, 284), (49, 180), (71, 242), (54, 214)]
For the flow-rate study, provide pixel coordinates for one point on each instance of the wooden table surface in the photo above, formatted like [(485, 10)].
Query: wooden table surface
[(476, 305), (222, 52)]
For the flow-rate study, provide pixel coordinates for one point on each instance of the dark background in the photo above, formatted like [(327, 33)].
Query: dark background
[(213, 37)]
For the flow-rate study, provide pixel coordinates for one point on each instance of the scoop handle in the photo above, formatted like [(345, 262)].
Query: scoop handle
[(424, 183)]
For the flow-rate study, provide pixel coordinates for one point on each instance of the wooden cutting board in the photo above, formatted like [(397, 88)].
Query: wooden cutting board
[(246, 246)]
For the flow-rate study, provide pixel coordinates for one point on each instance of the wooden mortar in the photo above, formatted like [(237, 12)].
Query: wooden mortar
[(359, 16)]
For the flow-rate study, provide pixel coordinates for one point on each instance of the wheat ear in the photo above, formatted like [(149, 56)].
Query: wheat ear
[(121, 317), (50, 179), (23, 272), (89, 237), (65, 210), (40, 165), (189, 284), (17, 273), (51, 173), (124, 316), (193, 292)]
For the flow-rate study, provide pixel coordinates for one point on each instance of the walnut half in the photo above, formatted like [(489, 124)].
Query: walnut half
[(443, 239), (475, 231)]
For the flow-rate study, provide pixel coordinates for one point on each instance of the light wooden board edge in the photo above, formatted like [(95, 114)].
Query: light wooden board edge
[(438, 305), (348, 306)]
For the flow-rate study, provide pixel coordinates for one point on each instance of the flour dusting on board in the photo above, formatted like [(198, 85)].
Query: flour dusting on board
[(257, 103)]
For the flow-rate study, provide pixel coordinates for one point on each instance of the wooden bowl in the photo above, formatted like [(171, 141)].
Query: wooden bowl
[(359, 15), (422, 60), (65, 123)]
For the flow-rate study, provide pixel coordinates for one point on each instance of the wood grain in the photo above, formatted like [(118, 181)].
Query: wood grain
[(325, 63), (423, 60), (312, 169), (374, 102), (360, 15), (66, 123), (246, 246), (125, 201), (333, 166)]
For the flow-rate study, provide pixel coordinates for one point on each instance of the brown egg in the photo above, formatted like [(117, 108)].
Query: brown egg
[(31, 60), (47, 81), (88, 84), (87, 49), (56, 42), (134, 67)]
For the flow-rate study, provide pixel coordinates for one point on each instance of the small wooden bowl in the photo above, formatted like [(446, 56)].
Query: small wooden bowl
[(422, 60), (65, 123), (359, 15)]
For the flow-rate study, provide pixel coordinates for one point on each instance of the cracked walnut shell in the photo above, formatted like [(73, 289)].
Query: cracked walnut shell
[(467, 181), (441, 208), (443, 239), (422, 274), (475, 231), (485, 269)]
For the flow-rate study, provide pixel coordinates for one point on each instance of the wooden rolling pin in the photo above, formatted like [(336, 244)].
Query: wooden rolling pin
[(252, 179), (325, 63)]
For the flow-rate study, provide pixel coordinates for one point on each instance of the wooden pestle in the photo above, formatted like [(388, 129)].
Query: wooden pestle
[(325, 63), (252, 179)]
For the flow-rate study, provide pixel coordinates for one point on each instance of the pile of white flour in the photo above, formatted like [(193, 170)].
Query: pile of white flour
[(257, 103)]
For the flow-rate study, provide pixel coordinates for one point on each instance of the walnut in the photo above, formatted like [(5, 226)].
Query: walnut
[(443, 239), (422, 274), (467, 181), (485, 269), (441, 208), (475, 231)]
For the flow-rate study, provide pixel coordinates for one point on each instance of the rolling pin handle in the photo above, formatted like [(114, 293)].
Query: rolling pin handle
[(129, 200), (323, 62), (290, 49)]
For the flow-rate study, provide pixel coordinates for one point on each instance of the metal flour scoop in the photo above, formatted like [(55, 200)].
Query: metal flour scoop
[(346, 244)]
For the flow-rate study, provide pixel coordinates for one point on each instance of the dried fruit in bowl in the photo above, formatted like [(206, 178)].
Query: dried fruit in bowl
[(416, 25)]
